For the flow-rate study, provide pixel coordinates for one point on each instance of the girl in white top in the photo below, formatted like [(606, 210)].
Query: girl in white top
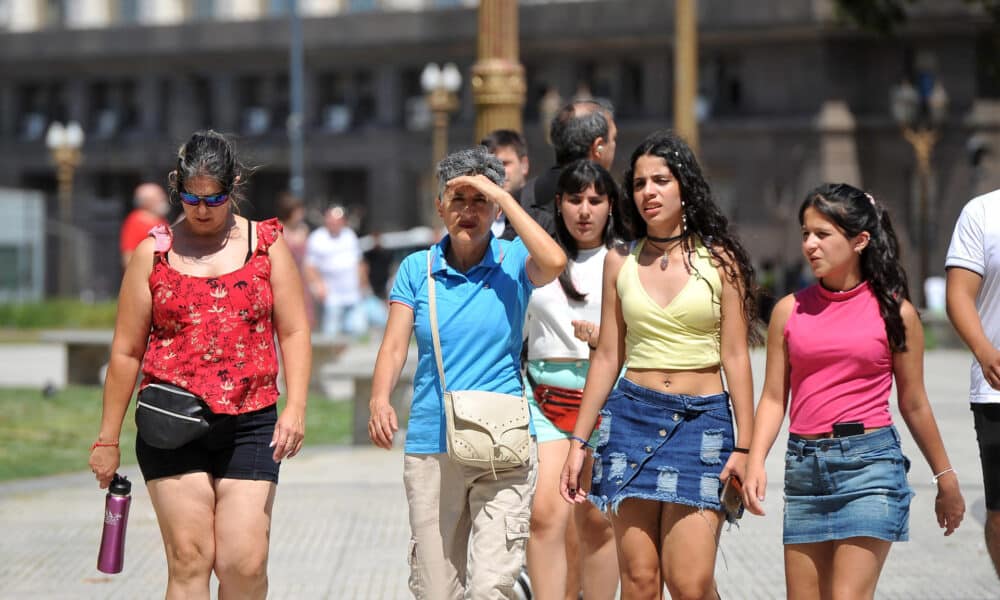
[(570, 548)]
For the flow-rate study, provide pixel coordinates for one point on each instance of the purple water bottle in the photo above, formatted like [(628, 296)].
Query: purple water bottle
[(112, 555)]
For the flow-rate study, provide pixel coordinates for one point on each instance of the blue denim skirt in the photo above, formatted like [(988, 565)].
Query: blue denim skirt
[(663, 447), (838, 488)]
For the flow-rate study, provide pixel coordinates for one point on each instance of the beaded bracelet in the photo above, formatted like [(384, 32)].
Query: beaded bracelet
[(582, 441), (100, 444)]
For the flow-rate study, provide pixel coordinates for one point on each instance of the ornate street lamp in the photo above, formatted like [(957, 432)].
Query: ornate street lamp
[(64, 143), (919, 108), (441, 85)]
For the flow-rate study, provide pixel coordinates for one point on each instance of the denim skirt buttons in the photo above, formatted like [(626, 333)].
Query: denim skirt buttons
[(663, 447)]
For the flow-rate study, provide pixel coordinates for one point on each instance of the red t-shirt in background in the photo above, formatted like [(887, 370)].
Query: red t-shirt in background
[(136, 228)]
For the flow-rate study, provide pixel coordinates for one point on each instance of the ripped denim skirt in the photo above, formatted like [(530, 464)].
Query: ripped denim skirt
[(663, 447)]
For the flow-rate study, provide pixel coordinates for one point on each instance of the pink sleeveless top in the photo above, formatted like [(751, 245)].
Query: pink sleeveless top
[(214, 336), (840, 361)]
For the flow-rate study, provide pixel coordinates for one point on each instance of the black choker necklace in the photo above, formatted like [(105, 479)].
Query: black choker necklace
[(666, 240)]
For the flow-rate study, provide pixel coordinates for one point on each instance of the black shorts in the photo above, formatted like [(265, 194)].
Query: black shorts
[(235, 447), (987, 417)]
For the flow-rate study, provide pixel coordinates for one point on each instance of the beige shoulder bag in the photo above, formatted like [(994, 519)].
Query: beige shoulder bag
[(485, 429)]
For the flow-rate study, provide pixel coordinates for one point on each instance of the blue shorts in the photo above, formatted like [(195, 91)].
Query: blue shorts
[(235, 447), (838, 488), (570, 375), (663, 447)]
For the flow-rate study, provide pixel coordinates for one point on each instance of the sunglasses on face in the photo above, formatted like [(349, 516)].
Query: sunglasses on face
[(214, 200)]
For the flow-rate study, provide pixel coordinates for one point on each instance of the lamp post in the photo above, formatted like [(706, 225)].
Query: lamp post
[(441, 85), (64, 143), (919, 110)]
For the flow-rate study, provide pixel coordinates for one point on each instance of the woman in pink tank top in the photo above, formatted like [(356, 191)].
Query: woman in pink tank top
[(837, 346)]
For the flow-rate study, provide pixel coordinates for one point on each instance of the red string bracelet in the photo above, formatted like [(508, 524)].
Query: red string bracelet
[(103, 445)]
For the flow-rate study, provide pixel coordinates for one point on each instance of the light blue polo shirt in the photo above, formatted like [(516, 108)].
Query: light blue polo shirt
[(480, 321)]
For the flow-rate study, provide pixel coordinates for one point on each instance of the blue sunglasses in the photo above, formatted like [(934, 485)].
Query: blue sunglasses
[(195, 199)]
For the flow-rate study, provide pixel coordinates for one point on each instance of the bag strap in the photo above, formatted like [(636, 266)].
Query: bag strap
[(434, 320)]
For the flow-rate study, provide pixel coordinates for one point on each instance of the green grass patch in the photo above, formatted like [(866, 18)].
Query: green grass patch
[(58, 313), (42, 435)]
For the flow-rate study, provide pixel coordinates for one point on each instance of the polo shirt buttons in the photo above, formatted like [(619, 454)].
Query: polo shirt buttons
[(648, 449), (676, 417), (663, 433), (633, 465)]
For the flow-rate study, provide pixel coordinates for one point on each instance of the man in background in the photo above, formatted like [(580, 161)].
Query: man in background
[(509, 146), (332, 270), (151, 207), (581, 129)]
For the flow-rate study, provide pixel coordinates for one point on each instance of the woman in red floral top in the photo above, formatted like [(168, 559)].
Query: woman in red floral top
[(205, 306)]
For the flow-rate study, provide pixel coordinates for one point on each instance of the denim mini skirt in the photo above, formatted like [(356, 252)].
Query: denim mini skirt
[(838, 488), (663, 447)]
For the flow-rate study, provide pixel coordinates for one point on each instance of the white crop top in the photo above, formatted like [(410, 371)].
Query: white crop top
[(549, 321)]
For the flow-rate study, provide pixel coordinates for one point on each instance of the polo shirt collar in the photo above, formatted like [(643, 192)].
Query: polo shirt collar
[(492, 258)]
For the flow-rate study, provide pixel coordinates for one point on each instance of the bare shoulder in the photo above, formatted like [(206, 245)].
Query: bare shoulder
[(783, 309), (616, 256), (909, 314)]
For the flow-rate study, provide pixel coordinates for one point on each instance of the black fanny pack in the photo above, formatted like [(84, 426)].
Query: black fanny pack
[(169, 417)]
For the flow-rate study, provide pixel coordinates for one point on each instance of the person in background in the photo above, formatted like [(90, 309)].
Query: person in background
[(151, 207), (677, 310), (509, 146), (333, 274), (571, 549), (836, 347), (291, 213), (580, 130), (205, 306), (468, 525), (973, 303)]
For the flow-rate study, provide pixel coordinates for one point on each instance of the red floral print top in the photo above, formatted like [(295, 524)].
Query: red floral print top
[(214, 336)]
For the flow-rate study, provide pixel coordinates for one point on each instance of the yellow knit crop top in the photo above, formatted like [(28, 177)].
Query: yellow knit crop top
[(683, 335)]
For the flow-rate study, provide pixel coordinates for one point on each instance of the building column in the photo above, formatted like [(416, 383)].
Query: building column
[(838, 152), (497, 77), (388, 103)]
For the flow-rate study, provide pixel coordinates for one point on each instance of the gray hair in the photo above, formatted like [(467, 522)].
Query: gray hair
[(577, 125), (471, 161)]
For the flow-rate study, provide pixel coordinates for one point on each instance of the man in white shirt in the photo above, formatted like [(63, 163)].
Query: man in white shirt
[(332, 271), (973, 302)]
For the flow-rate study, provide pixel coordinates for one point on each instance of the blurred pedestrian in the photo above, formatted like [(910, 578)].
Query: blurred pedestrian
[(837, 346), (333, 273), (580, 130), (973, 302), (509, 146), (201, 307), (291, 213), (468, 524), (150, 209), (677, 311), (571, 549)]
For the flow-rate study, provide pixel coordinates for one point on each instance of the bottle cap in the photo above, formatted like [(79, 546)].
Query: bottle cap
[(120, 485)]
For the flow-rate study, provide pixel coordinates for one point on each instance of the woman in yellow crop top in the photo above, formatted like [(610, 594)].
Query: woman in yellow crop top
[(676, 311)]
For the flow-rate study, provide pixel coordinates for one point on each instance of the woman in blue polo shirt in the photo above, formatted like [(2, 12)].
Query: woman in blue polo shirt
[(482, 286)]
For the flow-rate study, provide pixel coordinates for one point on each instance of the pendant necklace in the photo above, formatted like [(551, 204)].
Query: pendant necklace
[(665, 259)]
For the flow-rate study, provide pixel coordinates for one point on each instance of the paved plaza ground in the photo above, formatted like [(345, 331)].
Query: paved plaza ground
[(340, 526)]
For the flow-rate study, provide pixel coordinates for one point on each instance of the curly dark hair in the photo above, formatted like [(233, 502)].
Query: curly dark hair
[(702, 216), (854, 211), (573, 179)]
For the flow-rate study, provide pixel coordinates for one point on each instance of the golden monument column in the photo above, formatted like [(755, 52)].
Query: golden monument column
[(498, 86), (686, 71)]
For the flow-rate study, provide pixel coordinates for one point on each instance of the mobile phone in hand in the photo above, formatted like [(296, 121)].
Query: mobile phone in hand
[(731, 498)]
